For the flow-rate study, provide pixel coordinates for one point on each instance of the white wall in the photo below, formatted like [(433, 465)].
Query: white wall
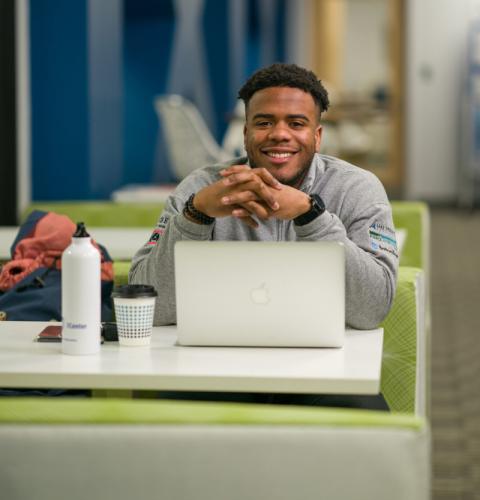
[(435, 62), (22, 57), (298, 48)]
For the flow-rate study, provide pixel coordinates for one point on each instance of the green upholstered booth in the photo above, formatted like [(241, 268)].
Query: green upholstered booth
[(121, 269), (414, 217), (122, 449), (411, 216), (404, 365)]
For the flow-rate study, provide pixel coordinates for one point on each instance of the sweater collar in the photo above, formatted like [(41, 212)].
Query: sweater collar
[(316, 168)]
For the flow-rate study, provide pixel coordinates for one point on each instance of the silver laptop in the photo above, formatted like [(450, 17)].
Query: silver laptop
[(243, 293)]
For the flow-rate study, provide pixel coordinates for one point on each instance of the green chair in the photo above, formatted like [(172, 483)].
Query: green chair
[(411, 216), (54, 449), (414, 217), (404, 365), (120, 270)]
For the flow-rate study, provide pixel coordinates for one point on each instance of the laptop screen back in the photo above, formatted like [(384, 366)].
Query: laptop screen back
[(236, 293)]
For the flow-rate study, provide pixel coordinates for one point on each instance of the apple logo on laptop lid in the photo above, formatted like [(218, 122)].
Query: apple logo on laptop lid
[(260, 295)]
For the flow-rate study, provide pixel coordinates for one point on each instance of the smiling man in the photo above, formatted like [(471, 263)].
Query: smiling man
[(284, 190)]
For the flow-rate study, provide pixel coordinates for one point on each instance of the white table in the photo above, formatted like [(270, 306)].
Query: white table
[(353, 369), (121, 243)]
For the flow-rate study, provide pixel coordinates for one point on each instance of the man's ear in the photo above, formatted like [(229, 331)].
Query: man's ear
[(318, 137)]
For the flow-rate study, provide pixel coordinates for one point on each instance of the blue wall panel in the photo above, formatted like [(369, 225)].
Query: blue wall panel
[(59, 100), (148, 35), (216, 45)]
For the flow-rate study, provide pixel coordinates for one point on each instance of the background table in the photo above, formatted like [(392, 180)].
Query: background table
[(353, 369), (121, 243)]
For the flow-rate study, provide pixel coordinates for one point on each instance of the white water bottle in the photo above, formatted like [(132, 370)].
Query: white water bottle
[(81, 295)]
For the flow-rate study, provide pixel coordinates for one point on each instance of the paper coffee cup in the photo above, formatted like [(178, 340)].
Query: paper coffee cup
[(134, 308)]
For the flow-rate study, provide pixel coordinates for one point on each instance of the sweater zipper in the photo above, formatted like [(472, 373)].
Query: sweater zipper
[(279, 230)]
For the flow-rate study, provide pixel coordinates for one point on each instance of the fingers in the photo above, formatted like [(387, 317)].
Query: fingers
[(254, 190), (257, 180), (243, 173), (258, 209), (252, 208), (268, 178), (239, 198)]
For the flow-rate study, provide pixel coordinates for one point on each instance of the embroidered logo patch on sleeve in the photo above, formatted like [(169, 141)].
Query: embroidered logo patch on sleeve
[(159, 230), (382, 238)]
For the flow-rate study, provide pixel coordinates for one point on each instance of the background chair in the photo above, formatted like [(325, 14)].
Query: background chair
[(188, 140)]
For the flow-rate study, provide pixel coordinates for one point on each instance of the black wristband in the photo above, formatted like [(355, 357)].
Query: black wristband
[(195, 214)]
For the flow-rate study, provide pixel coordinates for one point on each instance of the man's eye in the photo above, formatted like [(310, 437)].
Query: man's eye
[(297, 124), (262, 124)]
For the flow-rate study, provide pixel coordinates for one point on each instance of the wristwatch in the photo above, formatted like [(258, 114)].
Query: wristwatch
[(317, 207)]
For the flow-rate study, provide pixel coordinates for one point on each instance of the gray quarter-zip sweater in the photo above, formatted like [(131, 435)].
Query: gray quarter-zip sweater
[(357, 213)]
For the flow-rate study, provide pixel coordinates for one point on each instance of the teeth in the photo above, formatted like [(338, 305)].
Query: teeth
[(279, 155)]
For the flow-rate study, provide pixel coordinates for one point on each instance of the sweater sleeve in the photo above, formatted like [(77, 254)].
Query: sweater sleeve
[(153, 264), (365, 227)]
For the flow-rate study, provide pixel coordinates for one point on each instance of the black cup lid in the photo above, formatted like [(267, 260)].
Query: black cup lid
[(133, 291)]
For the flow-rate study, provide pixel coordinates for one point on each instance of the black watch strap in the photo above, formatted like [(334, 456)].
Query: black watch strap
[(317, 207)]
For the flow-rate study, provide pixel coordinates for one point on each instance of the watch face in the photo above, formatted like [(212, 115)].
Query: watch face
[(317, 203)]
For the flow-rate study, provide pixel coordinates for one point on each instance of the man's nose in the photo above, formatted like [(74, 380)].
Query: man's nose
[(279, 132)]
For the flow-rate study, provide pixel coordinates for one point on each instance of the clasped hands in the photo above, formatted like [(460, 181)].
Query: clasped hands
[(245, 193)]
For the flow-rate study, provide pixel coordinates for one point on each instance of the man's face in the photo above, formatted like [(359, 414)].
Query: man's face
[(282, 132)]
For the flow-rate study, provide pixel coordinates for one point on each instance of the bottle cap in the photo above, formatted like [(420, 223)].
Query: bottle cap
[(81, 232), (133, 291)]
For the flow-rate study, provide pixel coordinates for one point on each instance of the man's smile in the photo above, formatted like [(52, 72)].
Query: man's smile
[(278, 155)]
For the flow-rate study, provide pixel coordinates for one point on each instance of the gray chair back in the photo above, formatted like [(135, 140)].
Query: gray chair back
[(188, 139)]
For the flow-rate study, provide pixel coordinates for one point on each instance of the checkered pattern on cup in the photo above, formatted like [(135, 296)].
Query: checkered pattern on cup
[(134, 309)]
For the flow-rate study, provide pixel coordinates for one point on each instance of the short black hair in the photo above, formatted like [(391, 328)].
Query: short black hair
[(286, 75)]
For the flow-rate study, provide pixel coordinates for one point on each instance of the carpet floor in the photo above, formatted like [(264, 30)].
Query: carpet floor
[(455, 409)]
